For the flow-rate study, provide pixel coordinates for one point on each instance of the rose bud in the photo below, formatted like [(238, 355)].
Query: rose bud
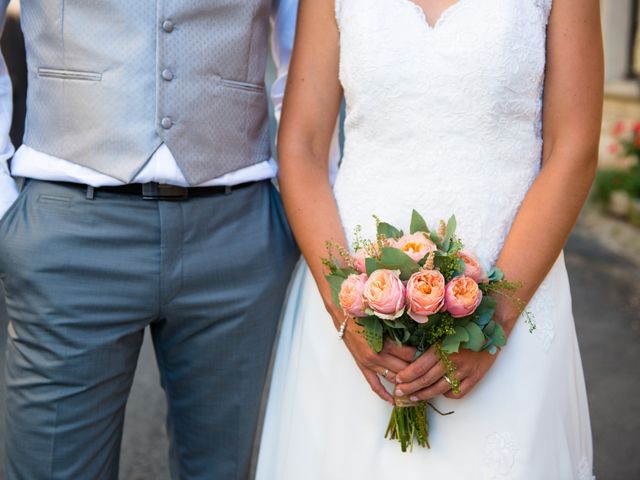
[(385, 294), (472, 267), (425, 294), (416, 245), (462, 296), (350, 296), (359, 259)]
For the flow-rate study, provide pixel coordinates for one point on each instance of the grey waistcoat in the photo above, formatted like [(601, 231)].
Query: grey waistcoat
[(111, 80)]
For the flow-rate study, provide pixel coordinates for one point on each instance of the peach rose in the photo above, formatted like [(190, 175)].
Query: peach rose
[(416, 245), (385, 294), (462, 296), (472, 267), (425, 294), (359, 259), (350, 295)]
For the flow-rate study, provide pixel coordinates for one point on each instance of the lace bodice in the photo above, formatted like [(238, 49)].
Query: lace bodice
[(444, 119)]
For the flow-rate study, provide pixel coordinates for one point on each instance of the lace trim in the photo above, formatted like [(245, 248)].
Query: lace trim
[(546, 6), (500, 455), (423, 17), (542, 306), (585, 471)]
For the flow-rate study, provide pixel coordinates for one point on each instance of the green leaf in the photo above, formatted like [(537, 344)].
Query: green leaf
[(485, 310), (396, 259), (498, 338), (335, 282), (476, 338), (495, 275), (372, 264), (451, 343), (418, 223), (372, 332), (490, 328), (389, 231), (449, 233), (436, 239)]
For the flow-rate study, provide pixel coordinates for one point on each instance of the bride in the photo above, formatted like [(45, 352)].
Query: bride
[(445, 113)]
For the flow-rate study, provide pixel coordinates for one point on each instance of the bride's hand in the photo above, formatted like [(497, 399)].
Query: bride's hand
[(391, 359), (424, 378)]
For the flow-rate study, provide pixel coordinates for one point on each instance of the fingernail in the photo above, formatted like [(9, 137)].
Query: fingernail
[(399, 393), (413, 398), (391, 402), (398, 379)]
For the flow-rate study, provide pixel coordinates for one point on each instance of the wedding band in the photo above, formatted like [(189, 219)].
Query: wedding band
[(448, 380), (385, 373)]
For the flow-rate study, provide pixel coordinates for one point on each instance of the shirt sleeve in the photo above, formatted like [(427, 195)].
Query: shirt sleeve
[(284, 28), (8, 188)]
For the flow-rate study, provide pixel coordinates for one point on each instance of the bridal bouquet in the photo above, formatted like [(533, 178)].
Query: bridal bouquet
[(420, 289)]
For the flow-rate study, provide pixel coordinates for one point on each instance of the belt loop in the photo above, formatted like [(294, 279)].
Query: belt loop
[(227, 190), (91, 193)]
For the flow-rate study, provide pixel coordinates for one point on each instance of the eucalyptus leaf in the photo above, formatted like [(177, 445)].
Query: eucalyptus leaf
[(498, 337), (372, 264), (335, 282), (485, 310), (449, 233), (418, 223), (372, 332), (476, 338), (451, 343), (495, 275), (388, 230), (490, 328), (436, 239), (396, 259)]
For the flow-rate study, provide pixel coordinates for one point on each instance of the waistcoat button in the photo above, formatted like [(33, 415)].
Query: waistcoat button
[(167, 26), (167, 74), (166, 123)]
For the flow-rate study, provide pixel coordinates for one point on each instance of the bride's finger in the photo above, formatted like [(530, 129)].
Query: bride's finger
[(419, 367), (426, 380), (465, 387), (440, 387), (376, 385), (392, 363), (387, 374), (404, 352)]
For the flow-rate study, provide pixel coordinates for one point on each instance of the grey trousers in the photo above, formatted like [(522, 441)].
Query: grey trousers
[(84, 277)]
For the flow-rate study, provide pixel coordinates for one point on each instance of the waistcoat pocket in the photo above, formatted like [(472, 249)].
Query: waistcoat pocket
[(251, 87), (65, 74)]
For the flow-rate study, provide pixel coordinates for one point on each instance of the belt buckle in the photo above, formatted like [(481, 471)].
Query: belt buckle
[(163, 191)]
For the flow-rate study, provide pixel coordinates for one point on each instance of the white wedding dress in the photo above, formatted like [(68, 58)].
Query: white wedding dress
[(443, 119)]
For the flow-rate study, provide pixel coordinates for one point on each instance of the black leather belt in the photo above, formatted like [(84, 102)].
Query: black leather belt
[(162, 191)]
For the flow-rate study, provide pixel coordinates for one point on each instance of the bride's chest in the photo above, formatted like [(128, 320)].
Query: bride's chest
[(476, 45)]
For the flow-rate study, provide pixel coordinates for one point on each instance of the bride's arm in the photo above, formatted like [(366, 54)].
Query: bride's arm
[(309, 114), (572, 111)]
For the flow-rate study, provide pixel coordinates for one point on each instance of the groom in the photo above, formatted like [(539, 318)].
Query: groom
[(147, 203)]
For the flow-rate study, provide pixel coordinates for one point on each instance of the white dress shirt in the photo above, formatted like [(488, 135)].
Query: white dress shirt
[(161, 167)]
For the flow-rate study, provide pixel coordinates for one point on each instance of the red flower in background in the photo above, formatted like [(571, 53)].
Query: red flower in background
[(619, 128)]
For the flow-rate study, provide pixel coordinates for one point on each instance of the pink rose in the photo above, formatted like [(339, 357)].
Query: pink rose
[(462, 296), (350, 295), (359, 260), (425, 294), (385, 294), (416, 245), (472, 267)]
